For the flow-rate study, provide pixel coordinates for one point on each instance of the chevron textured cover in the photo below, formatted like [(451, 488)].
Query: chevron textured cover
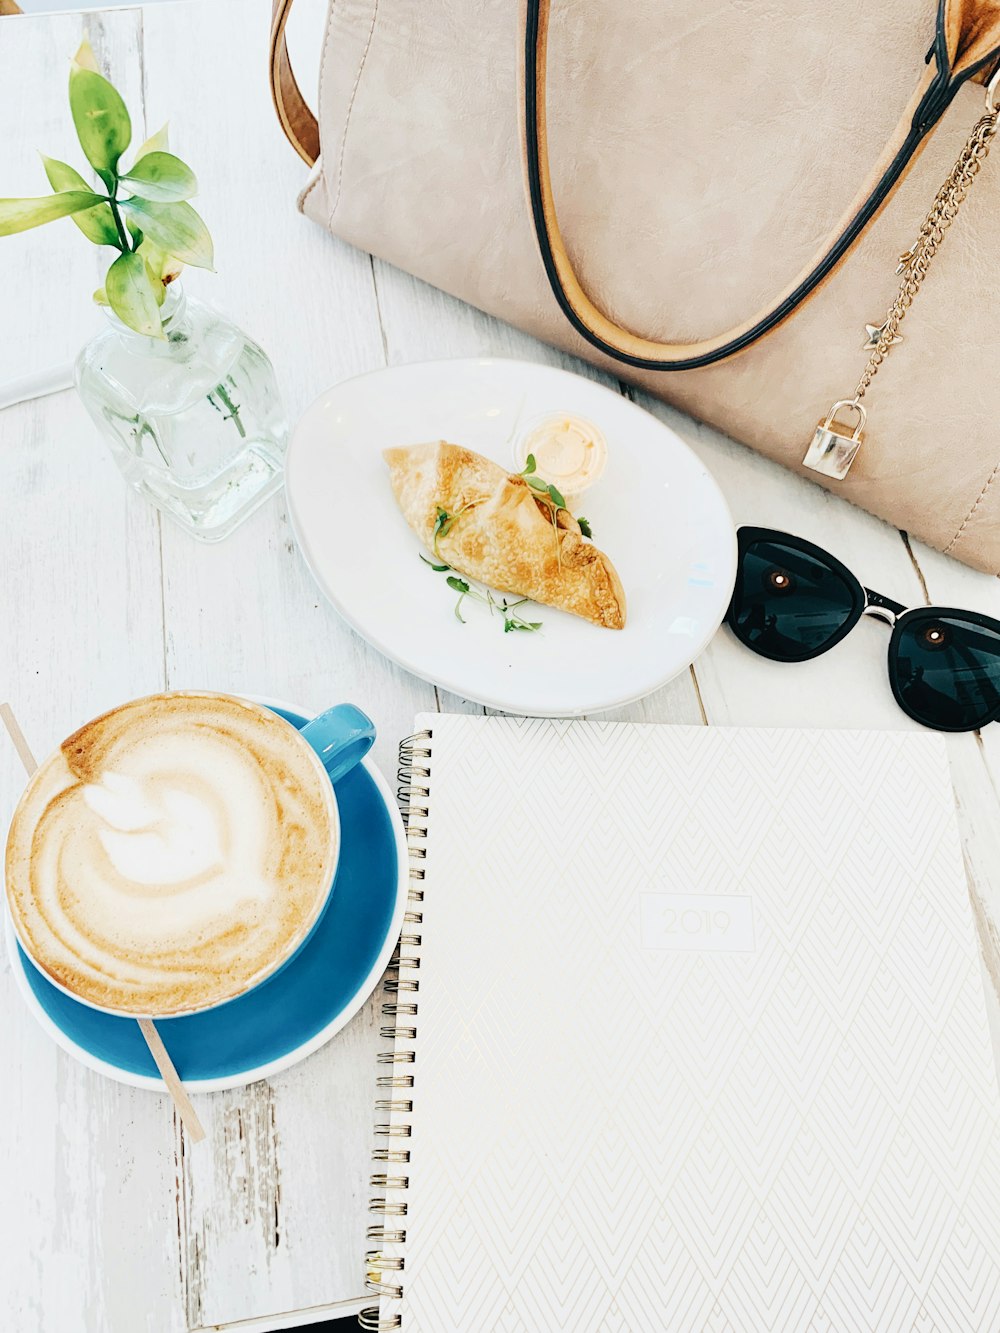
[(702, 1041)]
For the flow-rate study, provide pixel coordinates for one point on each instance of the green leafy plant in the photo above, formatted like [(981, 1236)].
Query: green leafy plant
[(142, 211)]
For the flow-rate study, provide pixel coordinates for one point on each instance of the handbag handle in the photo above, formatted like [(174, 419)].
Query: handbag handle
[(966, 45), (298, 122)]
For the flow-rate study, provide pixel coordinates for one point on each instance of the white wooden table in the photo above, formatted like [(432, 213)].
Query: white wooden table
[(111, 1222)]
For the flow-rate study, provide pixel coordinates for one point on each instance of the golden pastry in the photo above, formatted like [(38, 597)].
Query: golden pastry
[(499, 532)]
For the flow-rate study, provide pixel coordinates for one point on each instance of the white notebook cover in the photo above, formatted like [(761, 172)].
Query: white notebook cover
[(701, 1040)]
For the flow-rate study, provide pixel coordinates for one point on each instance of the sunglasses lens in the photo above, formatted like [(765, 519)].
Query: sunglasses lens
[(788, 604), (947, 671)]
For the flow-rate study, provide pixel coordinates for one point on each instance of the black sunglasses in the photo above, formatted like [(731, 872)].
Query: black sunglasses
[(794, 601)]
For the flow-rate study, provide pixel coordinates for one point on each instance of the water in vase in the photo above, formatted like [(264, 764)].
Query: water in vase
[(194, 420)]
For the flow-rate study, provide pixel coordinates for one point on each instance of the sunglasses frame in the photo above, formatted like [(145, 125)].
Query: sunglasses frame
[(866, 602)]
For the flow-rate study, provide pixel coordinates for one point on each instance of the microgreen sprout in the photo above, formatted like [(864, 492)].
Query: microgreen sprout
[(550, 493), (474, 592)]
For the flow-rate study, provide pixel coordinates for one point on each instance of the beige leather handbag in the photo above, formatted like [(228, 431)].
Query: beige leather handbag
[(705, 158)]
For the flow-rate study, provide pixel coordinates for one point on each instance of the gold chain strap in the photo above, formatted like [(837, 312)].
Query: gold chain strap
[(914, 264), (832, 450)]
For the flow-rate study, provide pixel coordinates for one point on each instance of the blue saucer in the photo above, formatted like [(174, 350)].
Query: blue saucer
[(298, 1008)]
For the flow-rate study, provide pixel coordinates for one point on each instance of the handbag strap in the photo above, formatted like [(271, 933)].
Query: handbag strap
[(966, 45), (298, 122)]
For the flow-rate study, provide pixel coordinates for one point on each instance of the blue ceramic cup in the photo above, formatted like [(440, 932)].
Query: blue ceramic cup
[(341, 736), (339, 739)]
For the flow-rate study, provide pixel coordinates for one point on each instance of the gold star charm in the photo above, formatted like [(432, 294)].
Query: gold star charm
[(874, 332)]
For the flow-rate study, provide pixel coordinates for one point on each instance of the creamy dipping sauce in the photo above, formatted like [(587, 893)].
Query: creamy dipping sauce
[(569, 451)]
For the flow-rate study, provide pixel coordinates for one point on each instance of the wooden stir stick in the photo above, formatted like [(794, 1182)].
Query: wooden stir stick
[(187, 1113)]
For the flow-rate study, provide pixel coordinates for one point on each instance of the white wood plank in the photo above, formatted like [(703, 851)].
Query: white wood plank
[(274, 1212), (89, 1231), (55, 268), (279, 1202)]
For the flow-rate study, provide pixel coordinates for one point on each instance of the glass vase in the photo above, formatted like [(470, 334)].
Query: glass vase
[(194, 419)]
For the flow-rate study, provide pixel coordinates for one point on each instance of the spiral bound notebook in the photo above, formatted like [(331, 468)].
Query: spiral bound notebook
[(689, 1034)]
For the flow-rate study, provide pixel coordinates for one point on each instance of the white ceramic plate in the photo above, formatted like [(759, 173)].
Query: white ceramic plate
[(656, 512)]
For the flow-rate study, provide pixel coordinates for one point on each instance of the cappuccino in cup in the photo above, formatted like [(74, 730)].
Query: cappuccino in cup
[(172, 853)]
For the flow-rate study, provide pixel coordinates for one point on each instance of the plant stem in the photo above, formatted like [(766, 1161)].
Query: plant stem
[(123, 234), (234, 411)]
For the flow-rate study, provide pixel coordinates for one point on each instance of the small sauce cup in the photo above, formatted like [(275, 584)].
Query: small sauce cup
[(569, 451)]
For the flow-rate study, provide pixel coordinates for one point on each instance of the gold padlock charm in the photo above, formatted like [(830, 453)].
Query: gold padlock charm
[(832, 451)]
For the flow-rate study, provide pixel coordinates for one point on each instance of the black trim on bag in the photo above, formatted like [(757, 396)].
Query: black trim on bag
[(930, 110)]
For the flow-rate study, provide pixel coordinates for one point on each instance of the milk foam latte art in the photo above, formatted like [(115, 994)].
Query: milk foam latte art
[(172, 853)]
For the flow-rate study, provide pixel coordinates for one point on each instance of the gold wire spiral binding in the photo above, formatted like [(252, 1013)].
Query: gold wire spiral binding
[(387, 1207), (394, 986), (384, 1289), (385, 1235), (390, 1131), (385, 1263), (405, 1034), (369, 1321), (380, 1181), (412, 793)]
